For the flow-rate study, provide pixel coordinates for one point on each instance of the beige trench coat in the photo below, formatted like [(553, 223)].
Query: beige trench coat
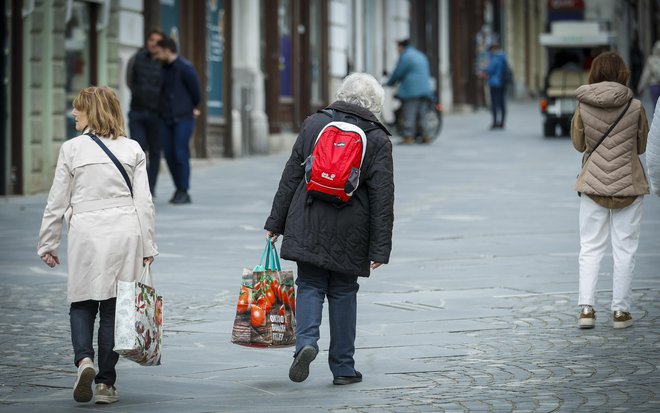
[(109, 233)]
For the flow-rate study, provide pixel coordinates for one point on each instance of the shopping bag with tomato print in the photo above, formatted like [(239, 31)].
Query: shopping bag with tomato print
[(265, 312), (139, 320)]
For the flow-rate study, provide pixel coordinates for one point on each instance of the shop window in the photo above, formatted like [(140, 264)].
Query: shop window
[(286, 48), (315, 48)]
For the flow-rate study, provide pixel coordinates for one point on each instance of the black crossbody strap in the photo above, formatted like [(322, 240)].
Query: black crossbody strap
[(114, 159), (609, 130)]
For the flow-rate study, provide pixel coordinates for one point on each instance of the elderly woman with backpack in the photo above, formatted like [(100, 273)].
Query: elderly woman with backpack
[(335, 237), (610, 128)]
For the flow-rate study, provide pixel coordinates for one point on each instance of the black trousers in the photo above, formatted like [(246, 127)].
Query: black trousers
[(145, 129), (498, 105)]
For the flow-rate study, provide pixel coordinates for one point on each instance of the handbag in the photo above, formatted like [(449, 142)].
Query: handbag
[(139, 320), (266, 307), (605, 135)]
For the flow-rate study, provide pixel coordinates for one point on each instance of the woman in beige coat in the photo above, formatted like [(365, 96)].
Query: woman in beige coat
[(612, 183), (110, 231)]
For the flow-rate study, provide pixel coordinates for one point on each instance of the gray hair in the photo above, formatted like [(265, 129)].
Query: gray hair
[(363, 90)]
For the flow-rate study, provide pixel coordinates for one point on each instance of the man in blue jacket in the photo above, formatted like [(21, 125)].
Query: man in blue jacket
[(498, 73), (179, 96), (412, 72)]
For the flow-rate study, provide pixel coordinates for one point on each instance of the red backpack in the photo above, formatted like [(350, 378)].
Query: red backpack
[(332, 171)]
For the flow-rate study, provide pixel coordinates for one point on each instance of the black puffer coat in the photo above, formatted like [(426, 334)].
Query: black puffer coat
[(342, 238)]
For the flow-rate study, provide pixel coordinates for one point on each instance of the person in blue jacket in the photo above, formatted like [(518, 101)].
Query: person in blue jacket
[(413, 74), (179, 96), (498, 73)]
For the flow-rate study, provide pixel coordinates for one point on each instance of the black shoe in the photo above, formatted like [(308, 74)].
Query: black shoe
[(181, 198), (348, 379), (300, 367), (174, 196)]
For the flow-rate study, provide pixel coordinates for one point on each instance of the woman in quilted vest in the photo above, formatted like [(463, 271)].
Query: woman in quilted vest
[(612, 183)]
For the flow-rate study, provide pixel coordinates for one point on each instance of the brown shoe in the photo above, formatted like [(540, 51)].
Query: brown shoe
[(426, 140), (106, 394), (587, 317), (621, 319), (407, 141)]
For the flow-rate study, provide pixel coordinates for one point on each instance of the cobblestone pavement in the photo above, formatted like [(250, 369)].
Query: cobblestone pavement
[(536, 360)]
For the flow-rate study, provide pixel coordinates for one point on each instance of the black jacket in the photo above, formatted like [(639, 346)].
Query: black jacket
[(144, 78), (338, 238)]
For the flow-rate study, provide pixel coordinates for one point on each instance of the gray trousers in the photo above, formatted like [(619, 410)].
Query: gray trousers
[(414, 114), (314, 285)]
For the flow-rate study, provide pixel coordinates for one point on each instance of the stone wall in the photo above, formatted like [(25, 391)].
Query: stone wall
[(45, 111)]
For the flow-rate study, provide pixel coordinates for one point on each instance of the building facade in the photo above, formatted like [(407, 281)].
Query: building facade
[(264, 64)]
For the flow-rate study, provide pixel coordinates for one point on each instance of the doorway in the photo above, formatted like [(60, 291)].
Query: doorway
[(295, 60)]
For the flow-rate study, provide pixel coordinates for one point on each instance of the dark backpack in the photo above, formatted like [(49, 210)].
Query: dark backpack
[(507, 75), (332, 171)]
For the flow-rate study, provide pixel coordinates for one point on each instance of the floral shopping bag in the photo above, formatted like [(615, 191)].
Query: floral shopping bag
[(139, 321), (266, 308)]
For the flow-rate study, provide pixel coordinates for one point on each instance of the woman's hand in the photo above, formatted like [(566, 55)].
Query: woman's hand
[(50, 259), (147, 260), (272, 236)]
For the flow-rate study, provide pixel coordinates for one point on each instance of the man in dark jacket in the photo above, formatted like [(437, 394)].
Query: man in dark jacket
[(179, 96), (143, 77), (413, 74), (334, 244)]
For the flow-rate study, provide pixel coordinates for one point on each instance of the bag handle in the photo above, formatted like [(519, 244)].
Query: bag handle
[(114, 159), (269, 259), (264, 254), (146, 277), (276, 257), (608, 131)]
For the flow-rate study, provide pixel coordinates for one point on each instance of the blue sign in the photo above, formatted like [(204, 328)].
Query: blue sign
[(215, 48), (169, 19)]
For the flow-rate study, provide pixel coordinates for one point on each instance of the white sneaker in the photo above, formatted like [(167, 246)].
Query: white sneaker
[(106, 394), (82, 389)]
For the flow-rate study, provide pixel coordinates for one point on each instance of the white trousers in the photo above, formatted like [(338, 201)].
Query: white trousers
[(596, 224)]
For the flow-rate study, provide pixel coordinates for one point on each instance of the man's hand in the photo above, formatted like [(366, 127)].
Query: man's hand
[(375, 265), (147, 260), (50, 259)]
